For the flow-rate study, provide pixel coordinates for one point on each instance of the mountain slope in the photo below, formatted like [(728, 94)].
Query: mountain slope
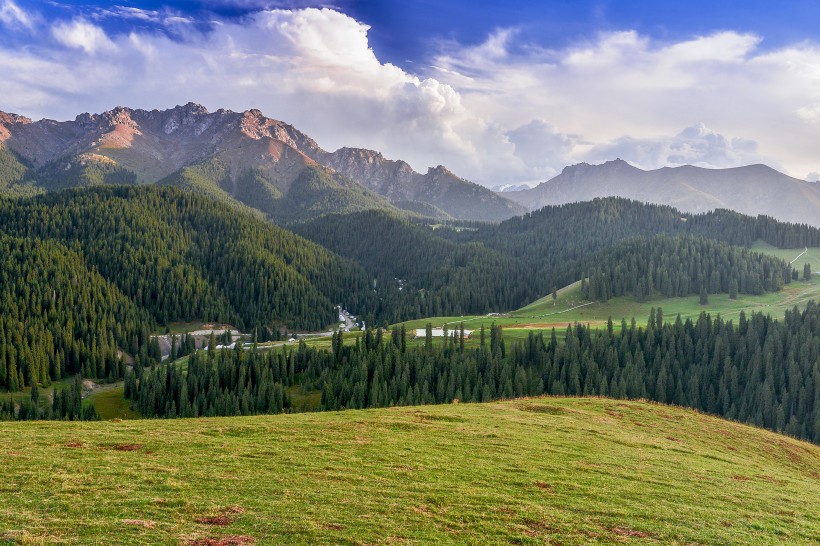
[(753, 190), (531, 471), (60, 316), (138, 146), (181, 256), (439, 187)]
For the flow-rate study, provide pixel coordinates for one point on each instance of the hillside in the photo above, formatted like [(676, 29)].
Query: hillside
[(418, 272), (434, 270), (524, 471), (753, 190), (264, 163), (60, 317), (182, 257)]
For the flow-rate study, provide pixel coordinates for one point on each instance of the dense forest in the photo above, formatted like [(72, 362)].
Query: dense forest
[(87, 272), (417, 272), (680, 266), (479, 268), (760, 370), (61, 318), (181, 256)]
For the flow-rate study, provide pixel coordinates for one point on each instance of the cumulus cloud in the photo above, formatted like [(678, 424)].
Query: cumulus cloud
[(542, 148), (696, 145), (498, 112), (620, 89)]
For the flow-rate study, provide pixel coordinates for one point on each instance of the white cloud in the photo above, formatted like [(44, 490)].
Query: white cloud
[(130, 12), (542, 148), (14, 17), (499, 112), (622, 83), (696, 145), (80, 34)]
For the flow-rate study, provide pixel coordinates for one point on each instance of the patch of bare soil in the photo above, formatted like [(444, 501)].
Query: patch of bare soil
[(220, 520), (740, 478), (128, 447), (147, 523), (333, 526), (76, 445), (535, 528), (627, 532), (88, 387), (229, 540), (543, 486)]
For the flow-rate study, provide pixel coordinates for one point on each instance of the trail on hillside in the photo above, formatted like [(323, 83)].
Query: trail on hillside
[(798, 256)]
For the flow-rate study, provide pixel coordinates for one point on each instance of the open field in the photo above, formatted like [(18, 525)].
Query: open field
[(109, 403), (812, 256), (536, 471), (571, 307)]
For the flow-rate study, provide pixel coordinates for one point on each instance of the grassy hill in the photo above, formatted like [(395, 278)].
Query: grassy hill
[(562, 470)]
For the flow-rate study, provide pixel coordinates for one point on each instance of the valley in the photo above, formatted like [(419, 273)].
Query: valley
[(571, 306)]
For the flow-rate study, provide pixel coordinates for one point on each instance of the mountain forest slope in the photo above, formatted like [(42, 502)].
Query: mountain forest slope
[(490, 268), (753, 189), (146, 256), (569, 470)]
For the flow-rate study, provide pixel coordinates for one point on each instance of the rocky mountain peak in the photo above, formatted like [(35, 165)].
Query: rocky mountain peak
[(441, 170), (189, 115), (7, 118), (360, 154)]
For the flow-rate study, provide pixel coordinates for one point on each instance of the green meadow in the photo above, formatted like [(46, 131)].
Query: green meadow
[(571, 307), (528, 471)]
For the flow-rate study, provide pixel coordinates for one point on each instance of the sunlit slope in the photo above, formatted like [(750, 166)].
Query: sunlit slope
[(569, 471)]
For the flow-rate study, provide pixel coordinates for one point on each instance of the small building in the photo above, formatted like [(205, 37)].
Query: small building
[(439, 332)]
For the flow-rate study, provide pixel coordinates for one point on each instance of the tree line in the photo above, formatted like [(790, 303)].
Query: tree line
[(759, 370), (682, 265)]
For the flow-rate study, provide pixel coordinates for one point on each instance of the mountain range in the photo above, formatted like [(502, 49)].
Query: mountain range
[(269, 165), (753, 189), (241, 156)]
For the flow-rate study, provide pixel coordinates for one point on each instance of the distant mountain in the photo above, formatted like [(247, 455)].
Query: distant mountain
[(753, 190), (242, 156), (439, 187)]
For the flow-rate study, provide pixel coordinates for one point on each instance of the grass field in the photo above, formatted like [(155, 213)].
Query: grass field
[(550, 470), (109, 403), (812, 256)]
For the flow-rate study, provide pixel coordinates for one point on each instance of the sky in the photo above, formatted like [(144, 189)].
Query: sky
[(500, 92)]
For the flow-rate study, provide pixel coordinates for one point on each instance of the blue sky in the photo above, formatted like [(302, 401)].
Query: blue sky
[(500, 92)]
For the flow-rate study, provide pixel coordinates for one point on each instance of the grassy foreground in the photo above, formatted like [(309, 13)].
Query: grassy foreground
[(549, 470)]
